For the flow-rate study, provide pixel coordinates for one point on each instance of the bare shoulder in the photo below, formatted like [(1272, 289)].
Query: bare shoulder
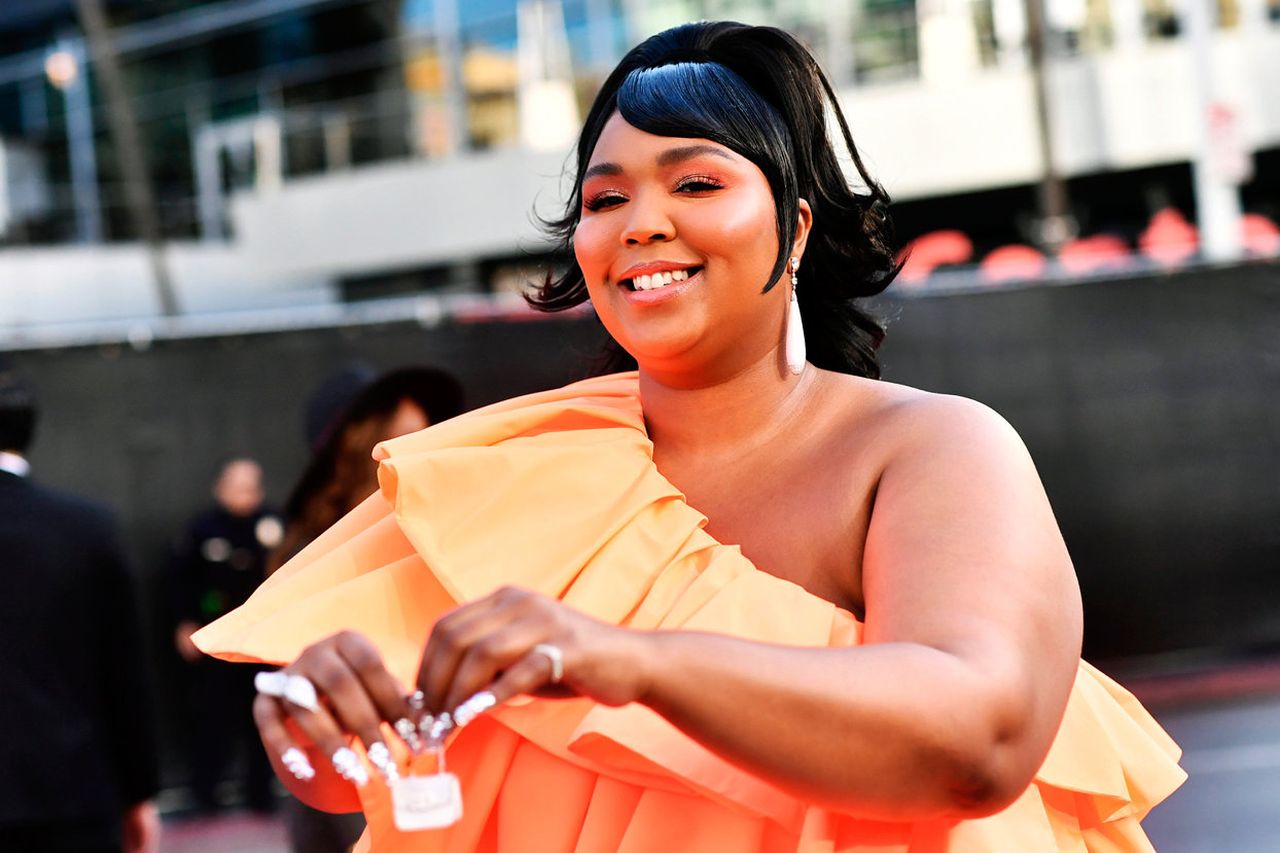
[(899, 422)]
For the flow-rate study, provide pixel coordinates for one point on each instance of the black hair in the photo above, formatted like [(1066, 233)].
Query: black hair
[(17, 411), (758, 92)]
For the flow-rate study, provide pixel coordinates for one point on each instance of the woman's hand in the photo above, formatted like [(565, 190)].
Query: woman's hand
[(355, 695), (487, 645), (490, 645)]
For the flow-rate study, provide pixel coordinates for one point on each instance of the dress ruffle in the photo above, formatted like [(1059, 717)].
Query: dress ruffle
[(557, 492)]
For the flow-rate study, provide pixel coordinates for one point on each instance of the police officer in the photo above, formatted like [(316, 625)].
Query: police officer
[(218, 562)]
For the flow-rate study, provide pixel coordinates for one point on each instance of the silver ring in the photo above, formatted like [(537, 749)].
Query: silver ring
[(553, 654)]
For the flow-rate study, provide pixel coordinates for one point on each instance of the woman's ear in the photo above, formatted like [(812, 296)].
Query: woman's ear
[(804, 224)]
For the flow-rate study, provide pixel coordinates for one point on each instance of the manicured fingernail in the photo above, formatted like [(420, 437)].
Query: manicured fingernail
[(381, 758), (295, 761), (473, 707), (408, 733), (348, 765), (438, 729)]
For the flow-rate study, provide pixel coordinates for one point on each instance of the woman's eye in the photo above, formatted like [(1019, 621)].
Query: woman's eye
[(603, 200), (698, 185)]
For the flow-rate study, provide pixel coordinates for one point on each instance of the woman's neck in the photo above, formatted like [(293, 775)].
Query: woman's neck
[(725, 419)]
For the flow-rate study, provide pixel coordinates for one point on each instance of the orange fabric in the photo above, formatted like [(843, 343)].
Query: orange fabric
[(558, 492)]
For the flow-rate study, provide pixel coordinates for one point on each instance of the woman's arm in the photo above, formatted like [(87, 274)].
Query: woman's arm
[(972, 637)]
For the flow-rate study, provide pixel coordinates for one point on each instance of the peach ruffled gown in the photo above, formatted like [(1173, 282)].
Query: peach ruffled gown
[(558, 492)]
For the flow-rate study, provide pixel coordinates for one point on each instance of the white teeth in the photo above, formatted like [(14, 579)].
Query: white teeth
[(659, 279)]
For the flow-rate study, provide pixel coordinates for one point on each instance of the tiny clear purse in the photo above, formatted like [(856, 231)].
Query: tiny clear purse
[(431, 800)]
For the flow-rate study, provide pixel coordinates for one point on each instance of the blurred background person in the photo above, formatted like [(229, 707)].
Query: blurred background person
[(346, 415), (218, 561), (79, 753)]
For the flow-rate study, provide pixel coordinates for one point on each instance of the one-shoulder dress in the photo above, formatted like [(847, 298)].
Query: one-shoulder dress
[(558, 492)]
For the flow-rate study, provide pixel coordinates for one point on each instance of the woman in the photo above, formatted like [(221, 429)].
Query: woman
[(872, 645)]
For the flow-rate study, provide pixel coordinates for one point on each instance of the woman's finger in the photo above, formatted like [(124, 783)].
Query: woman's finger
[(384, 689), (320, 727), (531, 673), (449, 641), (349, 702), (284, 753), (485, 659)]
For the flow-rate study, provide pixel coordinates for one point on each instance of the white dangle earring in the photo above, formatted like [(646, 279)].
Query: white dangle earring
[(795, 351)]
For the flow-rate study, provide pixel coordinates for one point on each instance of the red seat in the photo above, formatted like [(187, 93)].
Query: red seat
[(1169, 239), (1098, 253), (929, 251), (1259, 235), (1013, 263)]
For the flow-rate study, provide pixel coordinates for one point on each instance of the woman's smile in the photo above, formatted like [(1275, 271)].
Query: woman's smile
[(661, 287)]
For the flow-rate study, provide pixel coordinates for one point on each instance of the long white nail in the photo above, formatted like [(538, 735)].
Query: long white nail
[(408, 733), (348, 765), (380, 757), (441, 725), (473, 707), (295, 761)]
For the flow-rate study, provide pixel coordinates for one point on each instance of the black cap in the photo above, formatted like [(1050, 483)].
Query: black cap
[(358, 390), (355, 392)]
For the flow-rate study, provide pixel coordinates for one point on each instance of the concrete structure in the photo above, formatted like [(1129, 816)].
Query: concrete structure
[(965, 121)]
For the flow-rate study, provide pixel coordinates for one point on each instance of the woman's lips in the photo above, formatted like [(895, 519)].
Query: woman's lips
[(660, 294)]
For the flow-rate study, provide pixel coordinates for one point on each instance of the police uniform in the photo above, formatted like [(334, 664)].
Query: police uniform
[(219, 561)]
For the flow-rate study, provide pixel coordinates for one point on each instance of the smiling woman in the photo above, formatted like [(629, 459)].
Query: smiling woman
[(762, 102), (736, 600)]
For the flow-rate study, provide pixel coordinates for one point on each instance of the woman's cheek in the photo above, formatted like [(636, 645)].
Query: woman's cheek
[(590, 247), (747, 220)]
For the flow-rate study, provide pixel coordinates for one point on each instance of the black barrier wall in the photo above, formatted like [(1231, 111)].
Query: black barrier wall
[(1151, 406)]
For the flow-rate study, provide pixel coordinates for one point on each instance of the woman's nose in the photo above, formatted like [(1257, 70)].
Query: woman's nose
[(648, 223)]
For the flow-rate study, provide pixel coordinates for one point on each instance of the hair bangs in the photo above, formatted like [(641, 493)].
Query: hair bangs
[(706, 100)]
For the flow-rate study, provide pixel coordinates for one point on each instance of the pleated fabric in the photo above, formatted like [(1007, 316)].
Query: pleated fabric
[(557, 492)]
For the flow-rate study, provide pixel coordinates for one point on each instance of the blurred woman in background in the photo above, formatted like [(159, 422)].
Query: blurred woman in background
[(347, 415), (746, 598)]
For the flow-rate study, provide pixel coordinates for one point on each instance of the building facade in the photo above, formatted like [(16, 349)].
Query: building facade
[(304, 152)]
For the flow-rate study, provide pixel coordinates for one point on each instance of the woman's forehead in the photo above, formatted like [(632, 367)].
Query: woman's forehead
[(622, 142)]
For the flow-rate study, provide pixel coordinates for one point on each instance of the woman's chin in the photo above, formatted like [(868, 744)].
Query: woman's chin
[(664, 355)]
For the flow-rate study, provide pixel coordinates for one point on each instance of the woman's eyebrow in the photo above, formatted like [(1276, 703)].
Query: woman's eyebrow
[(686, 152), (602, 169), (667, 158)]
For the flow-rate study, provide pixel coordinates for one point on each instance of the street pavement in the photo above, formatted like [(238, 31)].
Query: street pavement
[(1231, 802), (232, 833)]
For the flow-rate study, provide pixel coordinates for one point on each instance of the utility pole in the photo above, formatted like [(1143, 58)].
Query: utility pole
[(124, 133), (1217, 193), (67, 71), (448, 31), (1056, 225)]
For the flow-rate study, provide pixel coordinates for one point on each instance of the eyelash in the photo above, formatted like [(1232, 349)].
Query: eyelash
[(705, 181), (694, 183)]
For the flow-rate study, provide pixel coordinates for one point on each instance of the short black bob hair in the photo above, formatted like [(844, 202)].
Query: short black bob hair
[(758, 92)]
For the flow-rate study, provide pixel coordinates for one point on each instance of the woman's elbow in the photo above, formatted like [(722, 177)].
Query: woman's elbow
[(988, 779), (983, 790)]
